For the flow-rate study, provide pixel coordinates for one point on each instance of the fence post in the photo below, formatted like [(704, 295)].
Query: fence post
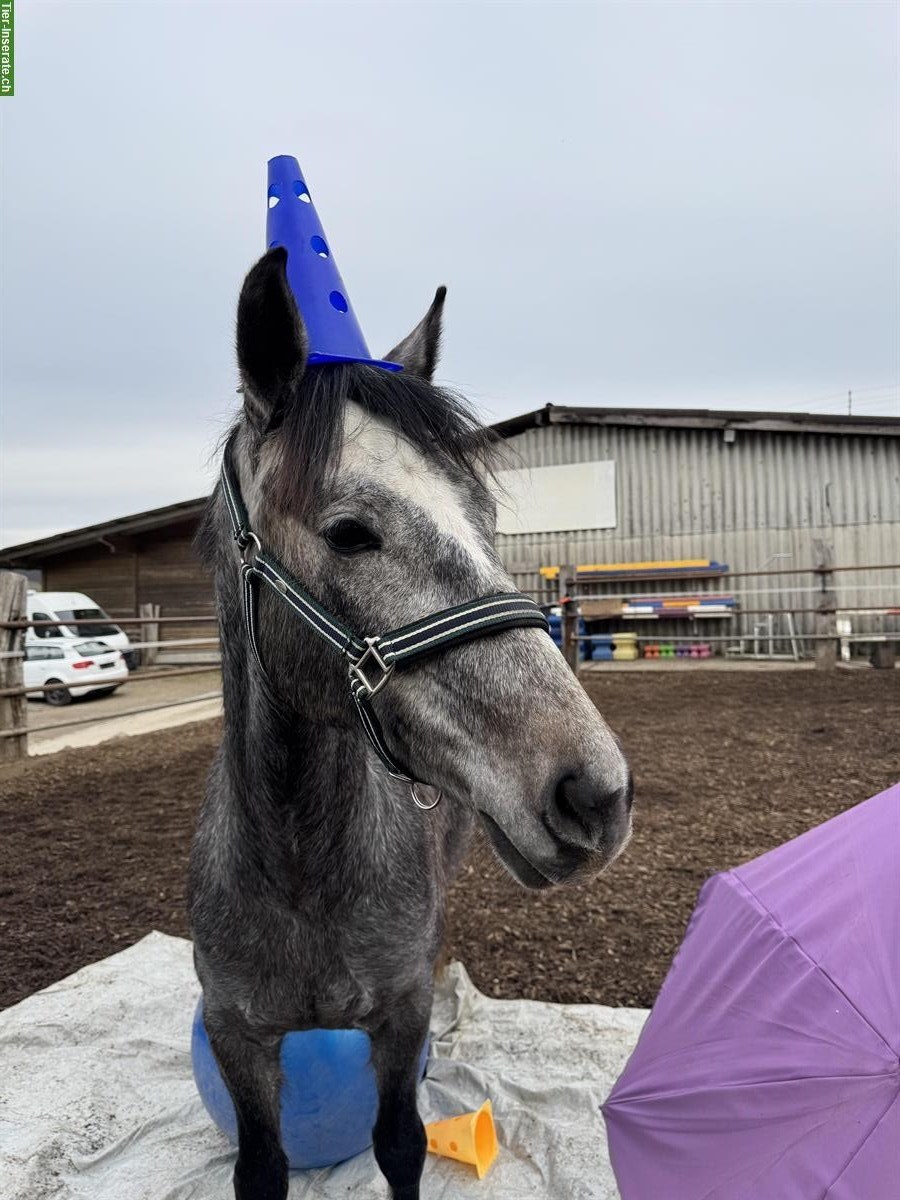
[(884, 655), (826, 616), (149, 633), (569, 628), (13, 607)]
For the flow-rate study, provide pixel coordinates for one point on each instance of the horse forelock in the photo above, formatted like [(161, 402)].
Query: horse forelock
[(349, 428), (308, 437)]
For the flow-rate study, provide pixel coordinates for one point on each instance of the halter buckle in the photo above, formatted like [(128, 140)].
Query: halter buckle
[(357, 668)]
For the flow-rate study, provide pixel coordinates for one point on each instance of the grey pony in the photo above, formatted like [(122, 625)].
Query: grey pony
[(317, 887)]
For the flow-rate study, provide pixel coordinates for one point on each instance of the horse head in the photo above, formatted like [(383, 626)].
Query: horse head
[(374, 489)]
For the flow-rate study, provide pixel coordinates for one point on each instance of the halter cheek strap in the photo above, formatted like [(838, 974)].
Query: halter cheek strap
[(371, 661)]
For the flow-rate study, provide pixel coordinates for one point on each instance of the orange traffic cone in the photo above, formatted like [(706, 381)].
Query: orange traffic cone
[(470, 1138)]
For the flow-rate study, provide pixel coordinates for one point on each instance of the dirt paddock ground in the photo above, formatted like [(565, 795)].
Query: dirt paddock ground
[(727, 765)]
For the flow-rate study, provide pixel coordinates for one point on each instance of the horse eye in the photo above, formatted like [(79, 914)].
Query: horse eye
[(349, 537)]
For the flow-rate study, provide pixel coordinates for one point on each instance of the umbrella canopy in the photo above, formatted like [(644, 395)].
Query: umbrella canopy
[(769, 1068)]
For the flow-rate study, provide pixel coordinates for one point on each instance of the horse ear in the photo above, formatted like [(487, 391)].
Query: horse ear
[(272, 345), (418, 352)]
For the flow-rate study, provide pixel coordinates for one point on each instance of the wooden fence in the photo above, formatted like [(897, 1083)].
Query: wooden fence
[(569, 596), (14, 623), (572, 593)]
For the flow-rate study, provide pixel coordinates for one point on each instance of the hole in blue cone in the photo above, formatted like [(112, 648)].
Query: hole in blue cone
[(274, 194), (319, 246), (338, 302), (301, 191)]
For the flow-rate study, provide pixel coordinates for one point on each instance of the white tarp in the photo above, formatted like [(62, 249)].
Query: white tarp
[(97, 1100)]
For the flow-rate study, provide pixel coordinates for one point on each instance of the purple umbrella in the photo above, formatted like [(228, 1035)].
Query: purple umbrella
[(769, 1068)]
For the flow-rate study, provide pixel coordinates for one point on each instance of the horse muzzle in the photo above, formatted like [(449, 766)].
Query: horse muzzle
[(579, 830)]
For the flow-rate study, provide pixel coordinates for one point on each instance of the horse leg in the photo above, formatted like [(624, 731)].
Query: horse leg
[(399, 1134), (251, 1067)]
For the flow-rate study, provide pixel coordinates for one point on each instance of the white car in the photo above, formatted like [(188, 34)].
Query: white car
[(78, 668), (79, 617)]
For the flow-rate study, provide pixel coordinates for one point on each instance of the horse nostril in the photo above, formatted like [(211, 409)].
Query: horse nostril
[(581, 800), (567, 802)]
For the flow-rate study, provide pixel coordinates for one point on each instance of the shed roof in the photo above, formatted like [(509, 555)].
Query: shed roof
[(27, 553)]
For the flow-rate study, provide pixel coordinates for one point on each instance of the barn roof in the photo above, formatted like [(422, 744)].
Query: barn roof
[(700, 418), (28, 553)]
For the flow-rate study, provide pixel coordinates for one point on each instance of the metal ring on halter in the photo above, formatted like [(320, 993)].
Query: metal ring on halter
[(248, 538), (418, 803)]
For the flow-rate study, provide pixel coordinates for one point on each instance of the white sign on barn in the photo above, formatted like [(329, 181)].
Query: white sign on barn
[(551, 499)]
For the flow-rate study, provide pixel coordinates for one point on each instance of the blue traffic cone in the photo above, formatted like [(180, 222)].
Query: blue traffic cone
[(334, 332)]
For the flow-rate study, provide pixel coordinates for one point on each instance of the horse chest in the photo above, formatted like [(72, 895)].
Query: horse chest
[(323, 973)]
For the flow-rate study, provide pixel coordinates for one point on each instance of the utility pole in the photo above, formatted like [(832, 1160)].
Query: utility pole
[(849, 403)]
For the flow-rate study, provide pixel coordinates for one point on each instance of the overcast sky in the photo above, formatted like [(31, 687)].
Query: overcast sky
[(642, 204)]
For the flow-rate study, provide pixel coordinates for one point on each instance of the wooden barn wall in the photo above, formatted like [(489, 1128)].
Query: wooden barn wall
[(170, 574), (159, 567), (108, 578)]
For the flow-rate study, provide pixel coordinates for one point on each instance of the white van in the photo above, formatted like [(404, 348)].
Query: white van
[(79, 617)]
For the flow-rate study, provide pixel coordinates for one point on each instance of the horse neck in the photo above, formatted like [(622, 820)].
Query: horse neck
[(302, 791)]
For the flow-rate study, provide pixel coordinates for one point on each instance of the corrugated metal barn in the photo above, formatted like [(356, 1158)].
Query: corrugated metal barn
[(750, 490), (588, 486)]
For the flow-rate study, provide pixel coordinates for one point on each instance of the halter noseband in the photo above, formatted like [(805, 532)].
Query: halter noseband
[(371, 660)]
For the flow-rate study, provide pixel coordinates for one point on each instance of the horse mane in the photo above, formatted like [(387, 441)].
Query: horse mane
[(437, 421)]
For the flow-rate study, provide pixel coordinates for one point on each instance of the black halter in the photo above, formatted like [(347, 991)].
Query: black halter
[(371, 660)]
